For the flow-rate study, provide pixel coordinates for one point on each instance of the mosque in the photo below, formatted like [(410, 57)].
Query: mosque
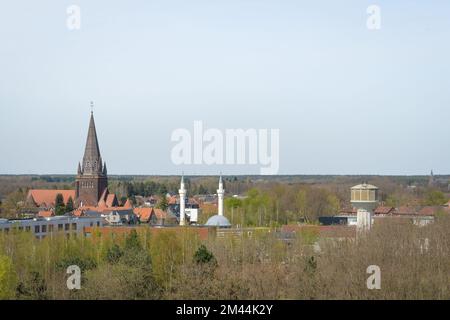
[(218, 220)]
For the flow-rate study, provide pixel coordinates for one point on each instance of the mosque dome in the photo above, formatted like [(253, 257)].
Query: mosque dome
[(218, 221)]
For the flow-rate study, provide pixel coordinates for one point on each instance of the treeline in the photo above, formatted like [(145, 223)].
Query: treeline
[(57, 179), (278, 204), (414, 264), (160, 186)]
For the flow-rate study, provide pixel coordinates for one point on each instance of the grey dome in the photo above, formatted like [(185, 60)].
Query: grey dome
[(218, 221)]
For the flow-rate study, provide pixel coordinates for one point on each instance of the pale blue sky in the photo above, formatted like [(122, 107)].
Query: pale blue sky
[(347, 100)]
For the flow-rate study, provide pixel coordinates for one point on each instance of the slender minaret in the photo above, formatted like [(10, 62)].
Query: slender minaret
[(182, 193), (220, 193)]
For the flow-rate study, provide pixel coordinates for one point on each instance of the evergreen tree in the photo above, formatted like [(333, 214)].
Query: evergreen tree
[(163, 204), (132, 241), (204, 256), (60, 208), (69, 206), (114, 254)]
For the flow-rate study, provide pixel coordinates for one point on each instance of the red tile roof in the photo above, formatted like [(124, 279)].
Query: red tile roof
[(160, 214), (384, 210), (143, 214), (111, 200), (405, 210), (46, 198), (430, 210), (128, 204)]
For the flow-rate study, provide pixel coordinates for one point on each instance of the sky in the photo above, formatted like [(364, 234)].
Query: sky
[(345, 99)]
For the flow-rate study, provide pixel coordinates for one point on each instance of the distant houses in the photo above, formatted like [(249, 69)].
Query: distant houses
[(365, 197)]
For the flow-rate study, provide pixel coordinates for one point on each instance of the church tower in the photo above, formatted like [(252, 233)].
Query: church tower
[(92, 178)]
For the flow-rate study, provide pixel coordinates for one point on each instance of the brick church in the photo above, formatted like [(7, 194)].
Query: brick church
[(91, 184), (92, 180)]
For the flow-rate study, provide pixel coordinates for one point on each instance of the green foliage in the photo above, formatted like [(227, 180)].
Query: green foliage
[(233, 203), (392, 201), (163, 204), (60, 208), (130, 189), (167, 256), (132, 241), (32, 287), (114, 254), (85, 263), (435, 198), (204, 256), (8, 278), (134, 254), (309, 236), (172, 264), (202, 190), (13, 203), (69, 206)]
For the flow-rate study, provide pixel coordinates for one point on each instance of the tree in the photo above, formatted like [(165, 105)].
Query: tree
[(132, 241), (204, 256), (60, 208), (134, 254), (8, 278), (202, 190), (114, 254), (13, 203), (233, 203), (69, 206), (435, 198), (163, 204)]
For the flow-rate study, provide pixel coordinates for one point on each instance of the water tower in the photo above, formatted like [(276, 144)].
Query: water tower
[(364, 196)]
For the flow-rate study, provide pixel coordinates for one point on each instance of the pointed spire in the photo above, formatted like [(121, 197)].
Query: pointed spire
[(182, 187), (220, 182), (431, 179), (92, 159), (79, 168), (105, 171)]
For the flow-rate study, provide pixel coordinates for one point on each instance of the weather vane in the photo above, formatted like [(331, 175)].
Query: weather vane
[(92, 106)]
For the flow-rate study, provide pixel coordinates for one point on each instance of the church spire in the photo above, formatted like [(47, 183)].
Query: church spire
[(92, 159), (92, 178)]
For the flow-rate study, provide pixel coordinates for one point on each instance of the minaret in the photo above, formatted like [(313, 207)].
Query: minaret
[(220, 193), (182, 193)]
